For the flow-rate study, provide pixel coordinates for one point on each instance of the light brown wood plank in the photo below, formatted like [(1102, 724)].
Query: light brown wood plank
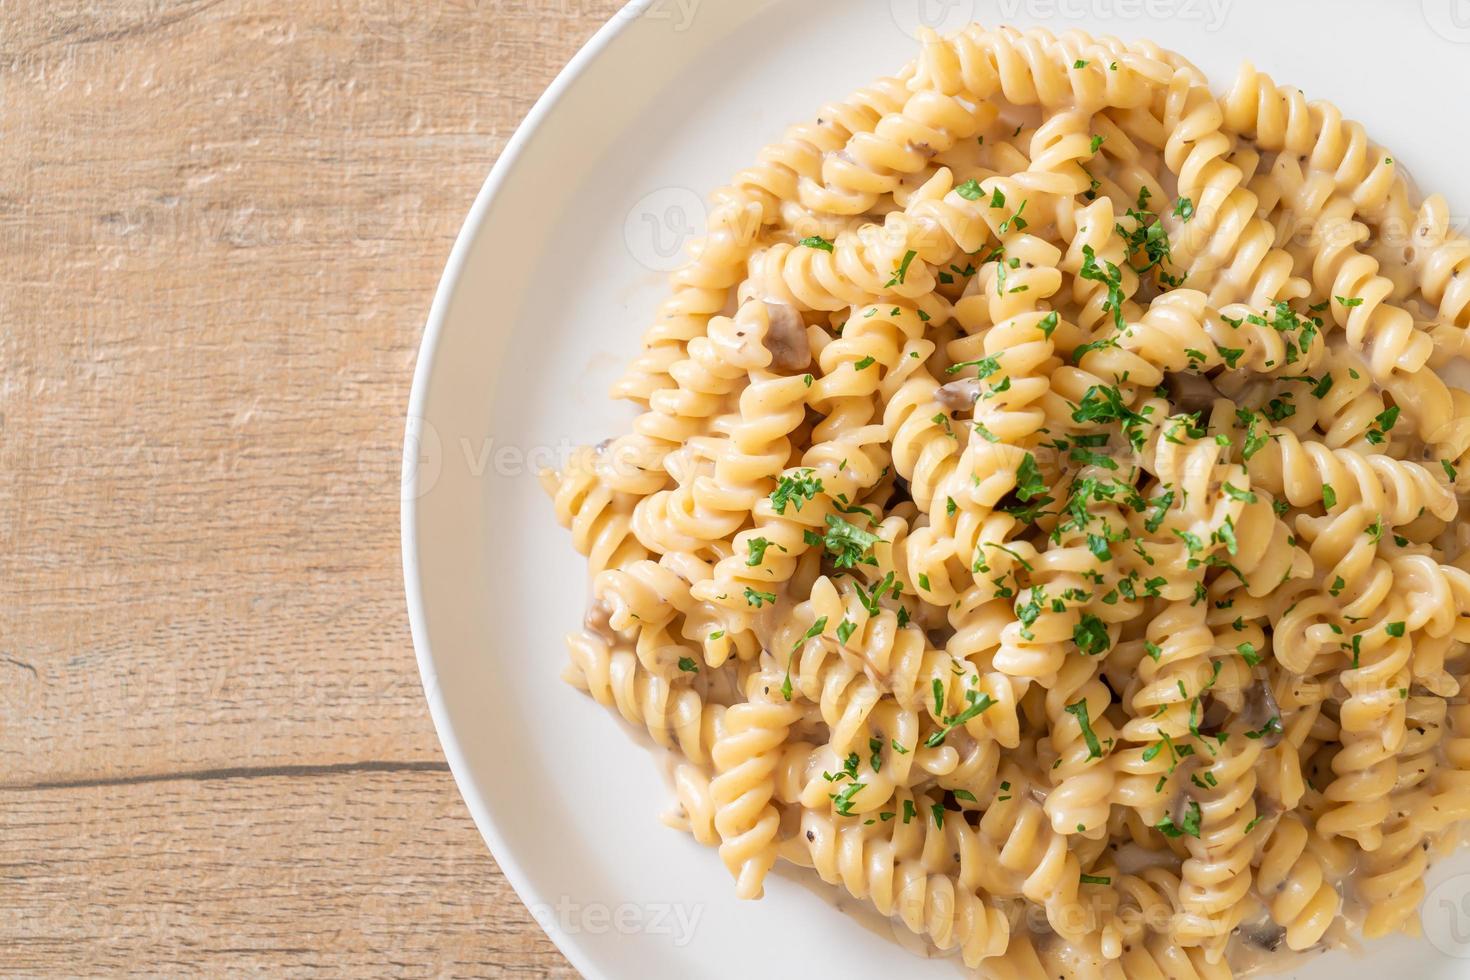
[(221, 225), (331, 874)]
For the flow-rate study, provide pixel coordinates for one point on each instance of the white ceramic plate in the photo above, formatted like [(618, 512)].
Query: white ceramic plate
[(557, 271)]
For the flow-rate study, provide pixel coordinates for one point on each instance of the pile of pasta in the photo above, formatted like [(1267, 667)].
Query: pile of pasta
[(1042, 520)]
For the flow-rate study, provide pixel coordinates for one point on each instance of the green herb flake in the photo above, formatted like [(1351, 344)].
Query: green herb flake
[(901, 273), (970, 190), (796, 489), (1079, 711), (758, 599)]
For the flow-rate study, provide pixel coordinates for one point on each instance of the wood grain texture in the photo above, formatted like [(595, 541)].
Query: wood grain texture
[(221, 223), (345, 872)]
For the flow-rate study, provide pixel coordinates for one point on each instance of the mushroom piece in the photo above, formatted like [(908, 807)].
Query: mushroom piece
[(1179, 809), (1191, 392), (1216, 715), (940, 635), (1259, 710), (1267, 806), (599, 620), (1263, 934), (959, 396), (786, 338)]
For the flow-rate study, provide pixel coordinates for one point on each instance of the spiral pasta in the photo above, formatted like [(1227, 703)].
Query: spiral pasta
[(1042, 519)]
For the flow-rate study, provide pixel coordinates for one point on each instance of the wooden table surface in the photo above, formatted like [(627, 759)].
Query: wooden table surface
[(222, 222)]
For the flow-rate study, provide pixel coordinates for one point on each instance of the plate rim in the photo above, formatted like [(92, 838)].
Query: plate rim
[(412, 495)]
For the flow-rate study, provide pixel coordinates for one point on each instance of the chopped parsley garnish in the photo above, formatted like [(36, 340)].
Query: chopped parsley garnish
[(758, 548), (975, 704), (984, 367), (869, 600), (1385, 422), (970, 190), (797, 490), (814, 631), (1254, 441), (1235, 493), (848, 544), (1189, 824), (1110, 276), (901, 273), (1091, 635), (1079, 711), (758, 599), (1148, 238), (842, 801), (1019, 223), (1271, 727), (1030, 484), (1103, 404), (816, 241)]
